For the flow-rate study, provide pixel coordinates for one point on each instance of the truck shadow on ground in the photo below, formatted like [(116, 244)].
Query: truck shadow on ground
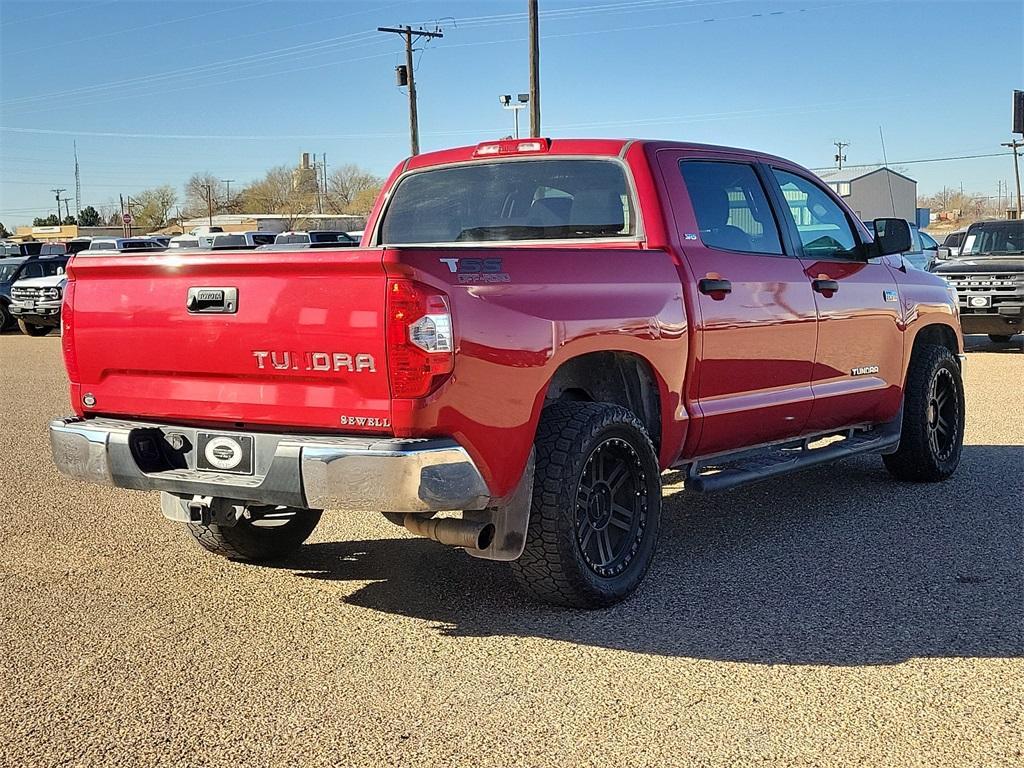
[(837, 566)]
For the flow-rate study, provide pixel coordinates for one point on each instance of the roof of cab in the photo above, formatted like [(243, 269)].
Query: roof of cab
[(598, 147)]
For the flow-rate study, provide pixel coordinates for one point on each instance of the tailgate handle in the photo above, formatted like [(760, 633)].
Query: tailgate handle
[(204, 300)]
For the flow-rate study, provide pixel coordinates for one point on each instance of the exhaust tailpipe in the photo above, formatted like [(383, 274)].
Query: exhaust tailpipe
[(454, 532)]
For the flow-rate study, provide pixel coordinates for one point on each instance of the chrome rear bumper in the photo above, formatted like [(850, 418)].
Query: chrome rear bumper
[(310, 471)]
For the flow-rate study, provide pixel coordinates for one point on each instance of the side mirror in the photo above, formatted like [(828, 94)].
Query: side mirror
[(943, 254), (891, 236)]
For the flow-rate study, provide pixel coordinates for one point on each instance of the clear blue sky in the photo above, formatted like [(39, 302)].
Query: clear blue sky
[(235, 88)]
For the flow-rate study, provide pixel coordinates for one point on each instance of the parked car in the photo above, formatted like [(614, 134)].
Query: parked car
[(316, 239), (124, 244), (13, 274), (950, 248), (36, 303), (242, 240), (32, 248), (989, 279), (534, 332), (78, 244), (9, 266)]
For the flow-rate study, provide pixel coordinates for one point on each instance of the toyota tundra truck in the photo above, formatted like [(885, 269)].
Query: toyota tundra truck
[(530, 333)]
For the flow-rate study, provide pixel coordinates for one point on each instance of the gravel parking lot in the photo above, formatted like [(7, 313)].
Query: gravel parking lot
[(830, 618)]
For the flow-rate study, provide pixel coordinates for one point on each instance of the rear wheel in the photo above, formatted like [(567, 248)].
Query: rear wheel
[(933, 418), (1000, 338), (596, 506), (32, 330), (5, 317), (272, 533)]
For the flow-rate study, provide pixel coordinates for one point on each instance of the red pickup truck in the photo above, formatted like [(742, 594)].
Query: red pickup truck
[(530, 333)]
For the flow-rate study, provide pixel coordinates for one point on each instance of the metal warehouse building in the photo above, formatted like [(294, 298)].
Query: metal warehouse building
[(875, 191)]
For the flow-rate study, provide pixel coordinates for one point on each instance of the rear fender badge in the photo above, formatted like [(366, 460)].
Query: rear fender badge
[(689, 236), (890, 295), (864, 370)]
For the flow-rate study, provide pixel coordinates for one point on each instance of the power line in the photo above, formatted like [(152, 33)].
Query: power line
[(915, 162)]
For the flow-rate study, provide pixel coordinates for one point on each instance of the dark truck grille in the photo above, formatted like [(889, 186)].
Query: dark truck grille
[(980, 293)]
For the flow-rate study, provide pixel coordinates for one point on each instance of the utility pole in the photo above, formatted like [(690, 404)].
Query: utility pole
[(67, 208), (840, 157), (325, 179), (1014, 146), (209, 201), (56, 193), (534, 70), (412, 35), (124, 224), (227, 182)]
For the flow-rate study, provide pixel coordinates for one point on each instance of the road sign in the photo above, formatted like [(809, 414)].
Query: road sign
[(126, 218)]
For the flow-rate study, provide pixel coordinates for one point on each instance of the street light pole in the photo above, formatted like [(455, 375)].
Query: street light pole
[(1014, 146), (534, 70), (522, 100)]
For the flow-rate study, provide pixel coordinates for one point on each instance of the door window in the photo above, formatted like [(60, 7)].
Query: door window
[(825, 231), (731, 207)]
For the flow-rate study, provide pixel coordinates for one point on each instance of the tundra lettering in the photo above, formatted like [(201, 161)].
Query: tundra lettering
[(316, 361)]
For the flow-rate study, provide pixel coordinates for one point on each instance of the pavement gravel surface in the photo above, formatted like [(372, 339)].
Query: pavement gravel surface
[(834, 617)]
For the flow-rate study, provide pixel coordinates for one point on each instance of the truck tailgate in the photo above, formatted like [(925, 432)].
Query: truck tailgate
[(302, 347)]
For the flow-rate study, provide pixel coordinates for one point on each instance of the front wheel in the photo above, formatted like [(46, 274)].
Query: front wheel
[(271, 534), (596, 506), (1000, 338), (32, 330), (933, 418)]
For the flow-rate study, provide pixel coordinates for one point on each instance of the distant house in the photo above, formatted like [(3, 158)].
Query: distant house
[(874, 191)]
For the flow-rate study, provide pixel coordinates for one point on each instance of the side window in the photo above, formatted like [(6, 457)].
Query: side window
[(731, 207), (825, 232)]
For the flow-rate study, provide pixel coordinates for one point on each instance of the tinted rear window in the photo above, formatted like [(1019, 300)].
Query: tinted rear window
[(228, 240), (511, 200)]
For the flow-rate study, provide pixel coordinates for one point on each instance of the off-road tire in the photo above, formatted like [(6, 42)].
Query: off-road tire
[(922, 456), (5, 316), (554, 566), (32, 330), (1000, 338), (252, 542)]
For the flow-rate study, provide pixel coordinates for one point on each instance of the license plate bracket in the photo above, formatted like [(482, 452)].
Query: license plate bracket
[(222, 452)]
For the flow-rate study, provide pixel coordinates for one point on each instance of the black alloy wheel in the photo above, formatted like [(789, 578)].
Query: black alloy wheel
[(611, 507)]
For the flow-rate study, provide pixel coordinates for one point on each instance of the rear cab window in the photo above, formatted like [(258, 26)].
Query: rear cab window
[(512, 200), (731, 207)]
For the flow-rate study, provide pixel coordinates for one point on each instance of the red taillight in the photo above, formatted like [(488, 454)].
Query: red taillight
[(421, 350), (67, 334)]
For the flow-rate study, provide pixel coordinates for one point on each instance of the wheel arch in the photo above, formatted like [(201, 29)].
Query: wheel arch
[(939, 334), (612, 376)]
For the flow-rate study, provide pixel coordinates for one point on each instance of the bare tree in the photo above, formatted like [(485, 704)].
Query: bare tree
[(202, 192), (276, 193), (349, 187)]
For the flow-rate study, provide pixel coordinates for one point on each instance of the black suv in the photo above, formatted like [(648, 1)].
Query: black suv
[(989, 278)]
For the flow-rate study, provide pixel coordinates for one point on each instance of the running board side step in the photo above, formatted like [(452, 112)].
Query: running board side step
[(725, 472)]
